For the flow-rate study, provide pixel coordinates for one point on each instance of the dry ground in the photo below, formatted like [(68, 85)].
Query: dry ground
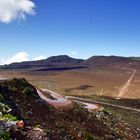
[(134, 89), (102, 82)]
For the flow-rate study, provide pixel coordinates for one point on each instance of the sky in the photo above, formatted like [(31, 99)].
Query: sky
[(33, 30)]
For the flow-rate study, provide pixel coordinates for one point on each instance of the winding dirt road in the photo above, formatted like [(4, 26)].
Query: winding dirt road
[(3, 78), (101, 103), (62, 101), (124, 89), (59, 100)]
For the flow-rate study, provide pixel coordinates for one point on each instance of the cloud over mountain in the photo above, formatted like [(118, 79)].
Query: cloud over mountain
[(11, 10), (20, 57)]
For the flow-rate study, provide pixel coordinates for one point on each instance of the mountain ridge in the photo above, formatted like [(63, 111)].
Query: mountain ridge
[(67, 61)]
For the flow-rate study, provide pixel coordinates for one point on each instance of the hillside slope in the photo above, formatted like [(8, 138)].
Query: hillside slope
[(19, 101)]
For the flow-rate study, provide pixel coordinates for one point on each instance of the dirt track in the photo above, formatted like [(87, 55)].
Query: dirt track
[(102, 103), (91, 104), (127, 84), (59, 101)]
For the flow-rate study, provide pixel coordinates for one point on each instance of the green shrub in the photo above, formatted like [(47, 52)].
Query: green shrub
[(9, 117), (5, 136), (59, 124), (14, 89), (88, 136), (3, 108), (106, 111), (38, 126), (1, 97), (28, 91)]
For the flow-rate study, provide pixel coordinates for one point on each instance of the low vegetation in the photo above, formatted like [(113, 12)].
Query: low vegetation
[(20, 102)]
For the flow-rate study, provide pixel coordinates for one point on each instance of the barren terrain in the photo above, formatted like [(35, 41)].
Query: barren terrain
[(134, 89), (87, 82)]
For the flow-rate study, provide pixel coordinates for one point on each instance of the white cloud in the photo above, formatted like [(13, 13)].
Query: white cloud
[(73, 53), (15, 10), (39, 57), (20, 57)]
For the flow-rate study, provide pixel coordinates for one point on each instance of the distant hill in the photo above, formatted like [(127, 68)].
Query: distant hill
[(107, 61), (135, 58), (62, 59), (64, 62), (54, 61)]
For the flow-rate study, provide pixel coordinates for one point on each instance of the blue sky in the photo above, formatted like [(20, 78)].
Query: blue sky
[(80, 28)]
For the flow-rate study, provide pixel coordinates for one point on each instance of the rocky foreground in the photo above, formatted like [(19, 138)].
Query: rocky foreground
[(24, 116)]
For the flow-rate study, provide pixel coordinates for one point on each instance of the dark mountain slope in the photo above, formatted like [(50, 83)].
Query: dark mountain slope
[(111, 61), (64, 62), (61, 60)]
